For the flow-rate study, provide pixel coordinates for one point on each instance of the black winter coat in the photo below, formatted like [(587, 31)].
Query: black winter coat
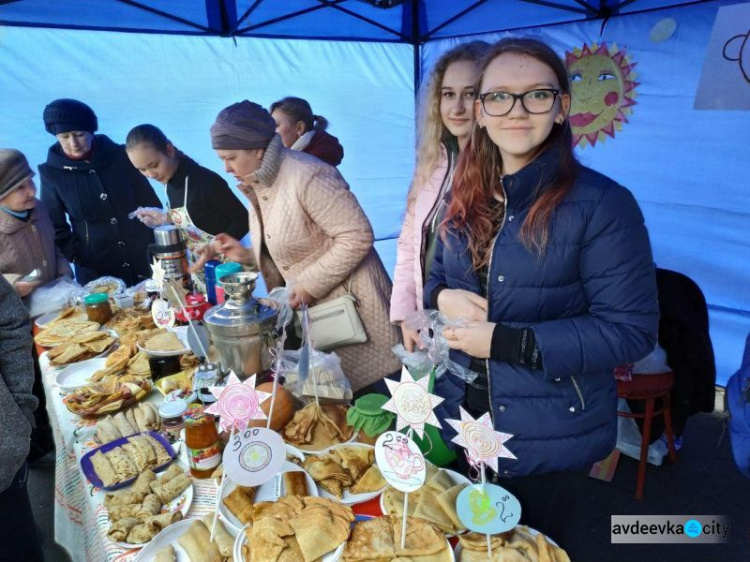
[(89, 202)]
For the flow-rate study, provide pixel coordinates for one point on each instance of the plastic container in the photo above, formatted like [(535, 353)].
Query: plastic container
[(98, 308), (172, 422), (222, 271), (209, 271), (202, 441)]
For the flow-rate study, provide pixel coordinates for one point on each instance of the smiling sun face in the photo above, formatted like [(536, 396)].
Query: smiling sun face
[(603, 87)]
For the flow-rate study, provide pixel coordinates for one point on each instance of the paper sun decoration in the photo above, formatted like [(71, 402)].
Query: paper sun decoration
[(479, 438), (237, 403), (411, 402)]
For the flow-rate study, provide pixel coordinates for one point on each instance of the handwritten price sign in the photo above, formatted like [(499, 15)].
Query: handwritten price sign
[(254, 456), (162, 313), (488, 509)]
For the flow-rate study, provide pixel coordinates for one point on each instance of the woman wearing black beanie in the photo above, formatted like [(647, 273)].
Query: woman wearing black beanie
[(89, 187)]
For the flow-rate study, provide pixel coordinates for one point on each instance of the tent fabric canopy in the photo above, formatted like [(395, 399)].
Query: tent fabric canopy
[(410, 21)]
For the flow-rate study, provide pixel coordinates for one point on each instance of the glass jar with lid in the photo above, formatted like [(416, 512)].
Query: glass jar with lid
[(202, 441), (98, 308), (172, 422)]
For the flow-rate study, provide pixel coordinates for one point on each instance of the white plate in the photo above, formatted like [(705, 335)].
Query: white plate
[(77, 375), (180, 503), (533, 532), (457, 478), (307, 452), (42, 321), (242, 539), (351, 499), (270, 491), (163, 539), (181, 332), (102, 354)]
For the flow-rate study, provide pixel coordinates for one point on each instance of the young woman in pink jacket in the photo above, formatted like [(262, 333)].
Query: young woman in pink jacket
[(446, 121)]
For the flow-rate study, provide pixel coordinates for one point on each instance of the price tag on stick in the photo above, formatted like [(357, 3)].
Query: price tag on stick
[(253, 456)]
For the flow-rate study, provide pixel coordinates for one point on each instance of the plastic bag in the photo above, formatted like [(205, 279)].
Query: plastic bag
[(325, 379), (629, 438), (430, 324), (53, 296), (150, 216)]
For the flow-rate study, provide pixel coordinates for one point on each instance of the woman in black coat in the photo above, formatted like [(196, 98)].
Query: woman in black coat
[(89, 187)]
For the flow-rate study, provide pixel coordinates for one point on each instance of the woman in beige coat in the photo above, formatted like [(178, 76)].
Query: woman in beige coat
[(27, 238), (308, 232)]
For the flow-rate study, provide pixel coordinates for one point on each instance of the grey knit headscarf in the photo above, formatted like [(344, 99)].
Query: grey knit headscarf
[(242, 126), (14, 170)]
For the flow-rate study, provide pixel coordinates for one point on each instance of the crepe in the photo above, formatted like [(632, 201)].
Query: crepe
[(117, 512), (295, 483), (144, 450), (371, 539), (151, 506), (428, 509), (140, 534), (356, 460), (162, 457), (440, 481), (104, 469), (106, 431), (173, 471), (136, 456), (517, 545), (167, 554), (239, 502), (135, 494), (123, 425), (164, 340), (371, 481), (196, 544), (171, 489), (224, 541), (318, 532), (447, 502), (122, 463), (162, 520), (118, 532)]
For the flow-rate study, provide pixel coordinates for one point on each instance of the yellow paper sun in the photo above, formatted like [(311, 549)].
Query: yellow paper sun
[(603, 86)]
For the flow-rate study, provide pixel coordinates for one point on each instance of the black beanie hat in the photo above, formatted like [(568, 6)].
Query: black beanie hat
[(64, 115)]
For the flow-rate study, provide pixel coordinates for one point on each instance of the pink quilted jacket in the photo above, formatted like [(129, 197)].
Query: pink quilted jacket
[(407, 278), (319, 238)]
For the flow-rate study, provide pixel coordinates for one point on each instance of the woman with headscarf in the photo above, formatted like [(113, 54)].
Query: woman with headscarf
[(89, 187), (300, 129), (308, 232), (27, 237)]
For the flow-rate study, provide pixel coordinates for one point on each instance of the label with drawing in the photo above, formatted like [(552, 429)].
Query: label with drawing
[(488, 509), (400, 461)]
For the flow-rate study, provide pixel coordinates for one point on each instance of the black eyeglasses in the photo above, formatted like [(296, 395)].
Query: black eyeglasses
[(535, 102)]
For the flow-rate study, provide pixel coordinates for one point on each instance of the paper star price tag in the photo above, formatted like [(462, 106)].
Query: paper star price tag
[(253, 456), (488, 509), (482, 443), (412, 403), (400, 461), (237, 403)]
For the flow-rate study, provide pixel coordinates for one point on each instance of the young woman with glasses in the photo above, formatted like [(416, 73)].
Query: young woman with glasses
[(446, 119), (559, 259)]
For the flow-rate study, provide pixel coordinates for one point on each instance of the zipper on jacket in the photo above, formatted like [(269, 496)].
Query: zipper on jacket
[(578, 390), (436, 206), (489, 280), (87, 231)]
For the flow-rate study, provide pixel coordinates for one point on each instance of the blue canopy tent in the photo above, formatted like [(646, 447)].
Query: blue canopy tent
[(678, 146)]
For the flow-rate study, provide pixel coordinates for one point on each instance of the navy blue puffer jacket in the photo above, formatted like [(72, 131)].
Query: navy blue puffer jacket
[(591, 300), (89, 202)]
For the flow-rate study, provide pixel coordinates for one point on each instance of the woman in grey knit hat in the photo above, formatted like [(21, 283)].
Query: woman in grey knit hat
[(28, 255), (308, 233)]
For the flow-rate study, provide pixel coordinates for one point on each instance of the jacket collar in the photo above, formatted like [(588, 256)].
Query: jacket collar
[(525, 186), (177, 181), (10, 224), (271, 163), (103, 151)]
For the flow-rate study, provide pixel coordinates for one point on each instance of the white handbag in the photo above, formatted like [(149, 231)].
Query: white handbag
[(334, 323)]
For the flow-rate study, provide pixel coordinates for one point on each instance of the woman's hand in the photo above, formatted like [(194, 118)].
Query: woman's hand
[(411, 339), (474, 339), (232, 249), (457, 303), (24, 288), (151, 217), (202, 253), (298, 297)]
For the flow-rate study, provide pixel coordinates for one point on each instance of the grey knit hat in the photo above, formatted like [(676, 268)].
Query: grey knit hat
[(64, 115), (242, 126), (14, 170)]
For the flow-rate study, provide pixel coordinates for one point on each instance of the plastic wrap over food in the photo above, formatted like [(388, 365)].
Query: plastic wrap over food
[(106, 284)]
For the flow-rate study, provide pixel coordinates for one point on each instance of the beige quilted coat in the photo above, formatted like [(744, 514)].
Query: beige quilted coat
[(28, 245), (308, 230)]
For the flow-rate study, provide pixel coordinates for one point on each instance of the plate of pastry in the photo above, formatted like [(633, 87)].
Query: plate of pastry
[(435, 502), (296, 528), (153, 503), (78, 374), (189, 540), (164, 342), (346, 473), (520, 543), (318, 427), (424, 543), (237, 502)]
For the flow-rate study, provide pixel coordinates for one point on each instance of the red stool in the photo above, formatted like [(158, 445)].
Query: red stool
[(649, 388)]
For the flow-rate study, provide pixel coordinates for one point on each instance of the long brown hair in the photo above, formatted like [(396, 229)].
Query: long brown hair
[(431, 132), (480, 167)]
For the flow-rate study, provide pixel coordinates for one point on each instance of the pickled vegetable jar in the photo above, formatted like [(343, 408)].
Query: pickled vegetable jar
[(202, 441)]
